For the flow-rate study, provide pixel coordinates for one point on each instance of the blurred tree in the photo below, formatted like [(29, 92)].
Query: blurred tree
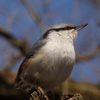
[(22, 22)]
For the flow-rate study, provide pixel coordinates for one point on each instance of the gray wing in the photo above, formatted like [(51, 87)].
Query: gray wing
[(36, 47)]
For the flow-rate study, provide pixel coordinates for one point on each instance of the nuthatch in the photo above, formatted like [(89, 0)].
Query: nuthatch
[(51, 59)]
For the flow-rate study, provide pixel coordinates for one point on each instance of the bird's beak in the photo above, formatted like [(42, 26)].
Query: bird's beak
[(80, 27)]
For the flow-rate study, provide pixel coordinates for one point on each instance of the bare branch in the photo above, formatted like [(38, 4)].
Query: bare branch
[(89, 55), (33, 14), (22, 46), (35, 95), (13, 60)]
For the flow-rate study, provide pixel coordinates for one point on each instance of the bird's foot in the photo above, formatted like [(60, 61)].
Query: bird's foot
[(42, 93), (50, 95)]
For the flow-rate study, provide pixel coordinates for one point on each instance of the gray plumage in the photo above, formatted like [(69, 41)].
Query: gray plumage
[(51, 59)]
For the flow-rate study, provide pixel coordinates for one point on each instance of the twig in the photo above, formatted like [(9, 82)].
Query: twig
[(22, 46), (35, 95), (89, 55), (34, 15), (12, 61)]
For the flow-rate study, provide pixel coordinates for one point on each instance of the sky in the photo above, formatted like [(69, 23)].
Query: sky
[(15, 17)]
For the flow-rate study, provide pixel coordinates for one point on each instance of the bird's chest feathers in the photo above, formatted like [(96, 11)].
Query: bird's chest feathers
[(60, 50)]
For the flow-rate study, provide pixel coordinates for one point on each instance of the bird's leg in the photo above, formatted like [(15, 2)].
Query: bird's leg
[(42, 92), (50, 95)]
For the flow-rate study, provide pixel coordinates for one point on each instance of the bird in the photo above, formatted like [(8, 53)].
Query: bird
[(51, 59)]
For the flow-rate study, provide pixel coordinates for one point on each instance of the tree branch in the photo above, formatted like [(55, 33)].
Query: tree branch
[(89, 55), (34, 15), (12, 61), (22, 46)]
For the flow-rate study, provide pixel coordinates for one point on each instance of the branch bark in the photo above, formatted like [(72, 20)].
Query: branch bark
[(36, 96)]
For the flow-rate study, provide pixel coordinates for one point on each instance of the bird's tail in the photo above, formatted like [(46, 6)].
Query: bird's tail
[(21, 85)]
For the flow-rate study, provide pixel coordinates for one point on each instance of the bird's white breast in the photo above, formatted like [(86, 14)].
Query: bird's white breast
[(58, 58), (54, 62), (59, 46)]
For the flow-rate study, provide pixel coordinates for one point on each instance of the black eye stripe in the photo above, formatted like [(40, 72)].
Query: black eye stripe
[(58, 29), (61, 29)]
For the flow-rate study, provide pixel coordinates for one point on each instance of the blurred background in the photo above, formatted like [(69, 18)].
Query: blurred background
[(22, 23)]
